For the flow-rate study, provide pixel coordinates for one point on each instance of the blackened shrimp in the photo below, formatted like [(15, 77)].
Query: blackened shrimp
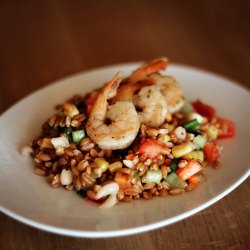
[(168, 86), (151, 105), (112, 126), (171, 91)]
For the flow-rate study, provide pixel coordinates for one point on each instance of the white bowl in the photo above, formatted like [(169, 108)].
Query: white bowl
[(29, 199)]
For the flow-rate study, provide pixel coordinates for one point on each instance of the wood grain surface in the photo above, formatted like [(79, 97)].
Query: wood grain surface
[(42, 41)]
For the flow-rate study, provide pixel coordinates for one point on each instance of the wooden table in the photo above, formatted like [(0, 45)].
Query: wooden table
[(42, 41)]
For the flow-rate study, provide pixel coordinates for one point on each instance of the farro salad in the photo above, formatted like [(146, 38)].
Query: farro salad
[(134, 138)]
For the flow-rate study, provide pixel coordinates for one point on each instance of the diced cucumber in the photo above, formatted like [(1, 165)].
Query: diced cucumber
[(78, 135), (137, 177), (175, 181), (199, 141)]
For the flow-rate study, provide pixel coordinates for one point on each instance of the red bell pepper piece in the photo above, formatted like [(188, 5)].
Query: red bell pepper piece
[(226, 128), (204, 109)]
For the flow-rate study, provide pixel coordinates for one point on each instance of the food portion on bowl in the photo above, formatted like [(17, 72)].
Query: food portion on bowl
[(133, 138)]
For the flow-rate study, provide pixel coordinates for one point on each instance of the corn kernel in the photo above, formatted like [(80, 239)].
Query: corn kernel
[(70, 110), (164, 138), (182, 149), (194, 155), (212, 133), (170, 127), (114, 166), (102, 164)]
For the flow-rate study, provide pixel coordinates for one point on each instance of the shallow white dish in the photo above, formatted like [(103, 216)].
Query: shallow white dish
[(29, 199)]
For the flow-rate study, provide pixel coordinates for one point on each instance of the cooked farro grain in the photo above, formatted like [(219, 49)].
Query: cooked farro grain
[(176, 191), (40, 171), (69, 152), (120, 194), (87, 147), (75, 171), (127, 199), (138, 187), (43, 156), (149, 185), (87, 180), (152, 132), (147, 162), (62, 161), (131, 191), (77, 183), (48, 164), (154, 166), (147, 195), (56, 181), (82, 165), (163, 192), (125, 170), (69, 187)]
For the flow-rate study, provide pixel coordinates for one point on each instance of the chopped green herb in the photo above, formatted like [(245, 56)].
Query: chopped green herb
[(173, 165), (192, 126)]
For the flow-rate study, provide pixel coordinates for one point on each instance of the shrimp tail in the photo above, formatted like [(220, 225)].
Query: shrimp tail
[(110, 89), (149, 68), (155, 65)]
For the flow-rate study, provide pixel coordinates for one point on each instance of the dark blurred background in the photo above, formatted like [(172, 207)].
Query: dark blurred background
[(42, 41)]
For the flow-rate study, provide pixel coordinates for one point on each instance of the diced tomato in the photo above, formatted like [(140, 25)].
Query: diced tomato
[(211, 152), (189, 170), (130, 157), (204, 109), (226, 128), (151, 148), (167, 162), (123, 180), (193, 181)]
